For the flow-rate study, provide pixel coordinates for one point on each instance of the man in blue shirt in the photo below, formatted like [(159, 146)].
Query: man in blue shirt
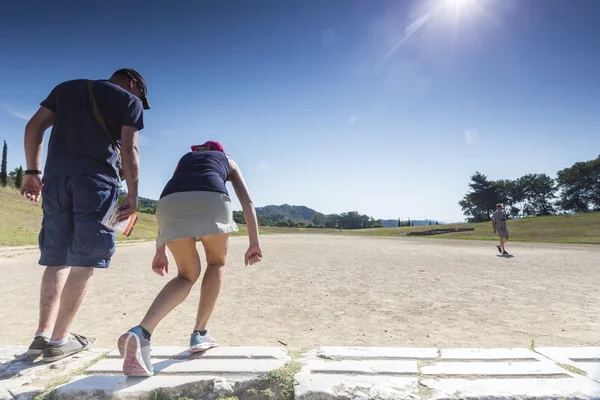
[(95, 127)]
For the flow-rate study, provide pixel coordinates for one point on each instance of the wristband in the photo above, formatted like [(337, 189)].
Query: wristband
[(33, 172)]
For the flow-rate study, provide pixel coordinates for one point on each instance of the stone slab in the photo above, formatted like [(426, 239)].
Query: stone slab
[(582, 354), (493, 389), (375, 353), (368, 367), (23, 378), (322, 386), (179, 352), (121, 387), (219, 372), (179, 366), (340, 374), (327, 373), (360, 373), (498, 354), (584, 358), (9, 353), (505, 369)]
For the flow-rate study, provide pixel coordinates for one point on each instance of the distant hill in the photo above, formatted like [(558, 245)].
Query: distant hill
[(286, 211), (145, 205), (279, 213), (282, 212), (144, 202), (303, 213)]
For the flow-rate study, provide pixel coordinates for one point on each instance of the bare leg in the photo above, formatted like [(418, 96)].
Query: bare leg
[(215, 247), (53, 281), (72, 296), (175, 292)]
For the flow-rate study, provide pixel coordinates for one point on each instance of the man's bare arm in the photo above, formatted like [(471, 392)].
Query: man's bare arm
[(130, 158), (34, 137)]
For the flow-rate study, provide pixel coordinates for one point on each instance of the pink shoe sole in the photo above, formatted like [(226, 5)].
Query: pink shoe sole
[(129, 348), (201, 349)]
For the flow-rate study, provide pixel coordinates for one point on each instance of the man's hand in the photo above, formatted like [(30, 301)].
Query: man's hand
[(128, 208), (160, 264), (253, 255), (32, 187)]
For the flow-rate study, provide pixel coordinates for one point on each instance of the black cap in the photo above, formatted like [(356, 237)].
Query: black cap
[(133, 74)]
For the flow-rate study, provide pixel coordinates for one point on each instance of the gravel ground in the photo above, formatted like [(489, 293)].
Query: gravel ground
[(329, 290)]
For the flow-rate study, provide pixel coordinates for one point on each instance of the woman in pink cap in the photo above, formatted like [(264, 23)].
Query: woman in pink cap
[(194, 204)]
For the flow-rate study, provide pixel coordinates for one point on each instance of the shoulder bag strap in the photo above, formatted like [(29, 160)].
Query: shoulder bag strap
[(98, 115)]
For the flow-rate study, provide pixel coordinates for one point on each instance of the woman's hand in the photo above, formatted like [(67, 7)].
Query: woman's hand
[(253, 255), (160, 263)]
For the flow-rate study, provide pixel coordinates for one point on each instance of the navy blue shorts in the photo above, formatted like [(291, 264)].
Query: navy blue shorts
[(71, 231)]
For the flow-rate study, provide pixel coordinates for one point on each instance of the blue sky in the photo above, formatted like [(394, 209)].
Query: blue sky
[(384, 107)]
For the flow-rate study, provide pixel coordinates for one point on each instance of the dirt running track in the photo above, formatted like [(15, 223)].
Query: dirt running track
[(320, 290)]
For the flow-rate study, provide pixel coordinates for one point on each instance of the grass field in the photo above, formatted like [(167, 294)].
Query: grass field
[(580, 228), (20, 222)]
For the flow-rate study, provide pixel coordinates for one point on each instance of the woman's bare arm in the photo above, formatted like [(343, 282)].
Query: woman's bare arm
[(241, 190), (163, 248)]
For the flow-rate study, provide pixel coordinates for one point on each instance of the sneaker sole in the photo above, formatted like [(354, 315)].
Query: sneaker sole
[(198, 349), (130, 349)]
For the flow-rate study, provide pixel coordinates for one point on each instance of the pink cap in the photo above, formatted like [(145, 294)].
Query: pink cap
[(211, 145)]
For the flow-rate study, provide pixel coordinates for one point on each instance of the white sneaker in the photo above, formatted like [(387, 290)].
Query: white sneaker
[(201, 343)]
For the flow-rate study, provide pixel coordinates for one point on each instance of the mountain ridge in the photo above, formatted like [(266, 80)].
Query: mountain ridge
[(306, 214), (297, 213)]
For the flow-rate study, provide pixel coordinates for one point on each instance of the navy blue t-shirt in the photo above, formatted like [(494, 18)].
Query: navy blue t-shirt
[(200, 171), (78, 145)]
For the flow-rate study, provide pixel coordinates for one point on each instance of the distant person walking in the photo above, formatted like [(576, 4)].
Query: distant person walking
[(499, 219), (80, 183), (194, 204)]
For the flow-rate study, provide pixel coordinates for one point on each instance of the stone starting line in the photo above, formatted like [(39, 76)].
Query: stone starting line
[(246, 373)]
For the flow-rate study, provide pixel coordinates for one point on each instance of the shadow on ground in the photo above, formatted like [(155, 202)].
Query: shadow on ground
[(19, 365)]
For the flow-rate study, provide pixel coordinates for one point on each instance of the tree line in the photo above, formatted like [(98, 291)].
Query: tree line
[(346, 220), (13, 178), (145, 206), (575, 189)]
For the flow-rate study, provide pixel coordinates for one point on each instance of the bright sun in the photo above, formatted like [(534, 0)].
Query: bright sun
[(459, 3), (459, 6)]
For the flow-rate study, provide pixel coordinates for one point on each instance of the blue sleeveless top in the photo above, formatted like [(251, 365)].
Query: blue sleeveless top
[(200, 171)]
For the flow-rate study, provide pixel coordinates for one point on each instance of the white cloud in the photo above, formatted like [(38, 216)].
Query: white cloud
[(328, 38), (24, 115), (471, 136), (352, 119)]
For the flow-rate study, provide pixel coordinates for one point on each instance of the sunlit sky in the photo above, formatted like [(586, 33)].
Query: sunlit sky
[(383, 107)]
